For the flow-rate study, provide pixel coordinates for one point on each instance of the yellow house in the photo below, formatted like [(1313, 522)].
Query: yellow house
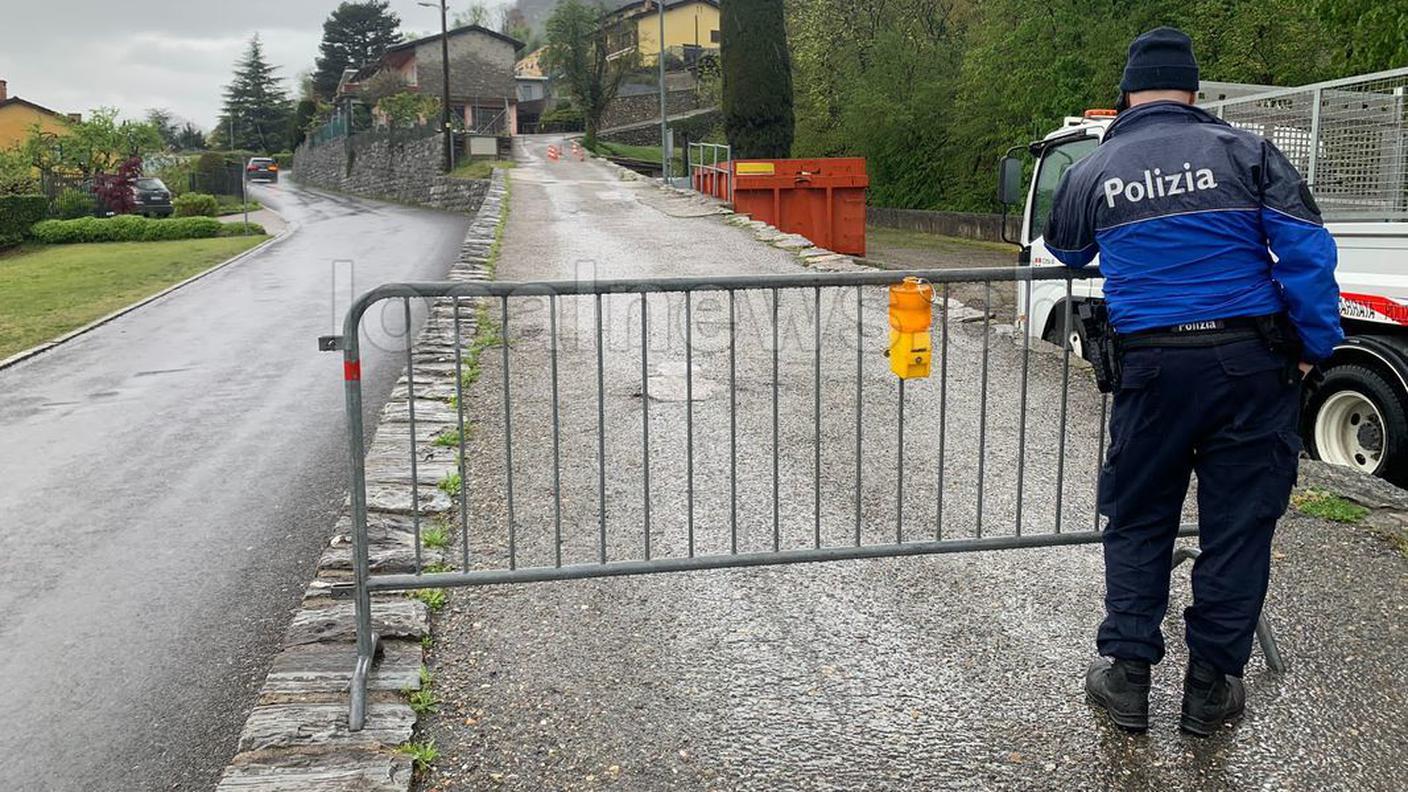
[(18, 116), (691, 27)]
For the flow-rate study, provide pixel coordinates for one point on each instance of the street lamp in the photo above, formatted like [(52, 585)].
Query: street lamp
[(444, 82), (664, 127)]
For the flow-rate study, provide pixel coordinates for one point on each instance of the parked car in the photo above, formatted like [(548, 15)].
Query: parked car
[(152, 196), (262, 169)]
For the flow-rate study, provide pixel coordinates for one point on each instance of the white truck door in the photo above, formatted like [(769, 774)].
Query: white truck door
[(1046, 296)]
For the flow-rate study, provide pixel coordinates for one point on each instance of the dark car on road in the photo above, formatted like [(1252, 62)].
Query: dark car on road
[(152, 197), (262, 169)]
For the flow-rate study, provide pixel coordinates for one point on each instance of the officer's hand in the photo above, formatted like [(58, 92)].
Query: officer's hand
[(1305, 369)]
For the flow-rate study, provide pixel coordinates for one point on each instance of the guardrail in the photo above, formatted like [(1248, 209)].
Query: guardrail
[(711, 172)]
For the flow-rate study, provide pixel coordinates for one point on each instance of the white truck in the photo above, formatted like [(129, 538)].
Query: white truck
[(1349, 138)]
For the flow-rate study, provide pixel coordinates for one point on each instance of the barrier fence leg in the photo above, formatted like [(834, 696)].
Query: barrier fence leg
[(366, 639), (1264, 636)]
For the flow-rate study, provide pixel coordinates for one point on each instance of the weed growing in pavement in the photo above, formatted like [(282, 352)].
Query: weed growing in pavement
[(423, 700), (426, 642), (1327, 506), (423, 754), (491, 262), (434, 599), (435, 569), (450, 484), (436, 535), (450, 437)]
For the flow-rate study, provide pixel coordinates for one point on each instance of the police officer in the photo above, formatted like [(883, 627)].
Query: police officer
[(1214, 334)]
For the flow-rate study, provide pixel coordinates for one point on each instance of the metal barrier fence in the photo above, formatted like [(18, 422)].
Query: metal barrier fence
[(1346, 136), (711, 172), (795, 355)]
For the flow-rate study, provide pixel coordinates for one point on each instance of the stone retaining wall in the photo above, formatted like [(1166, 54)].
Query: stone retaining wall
[(296, 738), (379, 165), (638, 108)]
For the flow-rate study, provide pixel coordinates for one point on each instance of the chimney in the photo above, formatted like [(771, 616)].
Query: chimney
[(4, 92)]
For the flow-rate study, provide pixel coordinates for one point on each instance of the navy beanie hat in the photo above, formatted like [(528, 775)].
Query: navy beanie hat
[(1161, 59)]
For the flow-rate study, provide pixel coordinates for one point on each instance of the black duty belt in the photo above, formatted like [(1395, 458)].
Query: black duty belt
[(1212, 332)]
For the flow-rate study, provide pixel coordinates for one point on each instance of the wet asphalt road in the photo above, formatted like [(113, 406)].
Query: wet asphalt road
[(940, 672), (169, 480)]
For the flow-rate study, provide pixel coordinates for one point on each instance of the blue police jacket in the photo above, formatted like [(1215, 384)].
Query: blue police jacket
[(1186, 213)]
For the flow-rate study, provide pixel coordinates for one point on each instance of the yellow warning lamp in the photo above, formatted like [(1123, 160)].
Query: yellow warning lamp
[(911, 316)]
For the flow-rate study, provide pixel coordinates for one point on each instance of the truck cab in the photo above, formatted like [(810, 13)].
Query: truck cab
[(1357, 415)]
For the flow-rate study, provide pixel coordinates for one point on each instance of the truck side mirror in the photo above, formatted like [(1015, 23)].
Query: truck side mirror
[(1009, 181)]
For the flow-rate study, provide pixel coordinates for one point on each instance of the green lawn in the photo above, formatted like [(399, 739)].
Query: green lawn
[(644, 153), (47, 290), (479, 169)]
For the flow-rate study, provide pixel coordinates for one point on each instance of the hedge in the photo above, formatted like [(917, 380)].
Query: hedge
[(196, 205), (18, 213), (131, 228)]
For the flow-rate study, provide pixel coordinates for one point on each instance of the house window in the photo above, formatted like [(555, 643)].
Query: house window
[(714, 36)]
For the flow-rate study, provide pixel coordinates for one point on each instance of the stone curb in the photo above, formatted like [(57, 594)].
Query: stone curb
[(296, 737), (99, 322)]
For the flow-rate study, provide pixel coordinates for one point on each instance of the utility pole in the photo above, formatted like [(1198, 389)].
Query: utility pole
[(445, 83), (664, 128)]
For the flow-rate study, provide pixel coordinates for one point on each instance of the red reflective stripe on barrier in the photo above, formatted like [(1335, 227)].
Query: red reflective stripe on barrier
[(352, 370)]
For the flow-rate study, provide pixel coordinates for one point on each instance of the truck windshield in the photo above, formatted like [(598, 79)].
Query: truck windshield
[(1055, 161)]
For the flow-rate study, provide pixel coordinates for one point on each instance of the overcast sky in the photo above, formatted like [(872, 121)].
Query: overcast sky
[(74, 55)]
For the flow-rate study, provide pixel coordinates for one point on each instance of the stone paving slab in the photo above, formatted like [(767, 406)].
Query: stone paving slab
[(325, 725), (350, 771), (401, 617), (396, 498), (297, 738), (429, 411), (388, 554), (326, 667)]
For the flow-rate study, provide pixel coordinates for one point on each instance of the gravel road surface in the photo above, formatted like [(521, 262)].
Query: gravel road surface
[(938, 672)]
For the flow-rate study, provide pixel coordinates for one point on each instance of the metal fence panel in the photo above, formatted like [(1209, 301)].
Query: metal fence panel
[(623, 475)]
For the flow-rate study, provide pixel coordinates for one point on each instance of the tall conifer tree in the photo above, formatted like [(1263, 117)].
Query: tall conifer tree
[(757, 75), (257, 109)]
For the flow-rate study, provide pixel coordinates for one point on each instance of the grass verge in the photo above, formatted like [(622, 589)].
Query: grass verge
[(644, 153), (48, 290), (881, 236), (1327, 506), (479, 169)]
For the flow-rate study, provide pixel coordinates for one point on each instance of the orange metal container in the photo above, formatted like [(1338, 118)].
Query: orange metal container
[(821, 199)]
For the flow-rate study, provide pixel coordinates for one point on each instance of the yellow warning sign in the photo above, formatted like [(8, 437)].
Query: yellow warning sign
[(755, 168)]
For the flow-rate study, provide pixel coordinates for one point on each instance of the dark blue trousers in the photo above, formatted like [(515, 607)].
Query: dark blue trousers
[(1228, 414)]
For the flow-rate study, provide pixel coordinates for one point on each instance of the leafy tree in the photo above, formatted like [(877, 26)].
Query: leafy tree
[(475, 14), (354, 35), (257, 110), (304, 114), (515, 25), (17, 172), (189, 138), (757, 73), (577, 49), (164, 123), (408, 108), (93, 145), (1371, 35), (114, 190)]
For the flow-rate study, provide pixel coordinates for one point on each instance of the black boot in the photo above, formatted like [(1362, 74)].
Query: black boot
[(1210, 699), (1121, 688)]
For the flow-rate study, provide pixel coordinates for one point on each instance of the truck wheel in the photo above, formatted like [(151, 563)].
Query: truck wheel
[(1356, 418), (1058, 335)]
